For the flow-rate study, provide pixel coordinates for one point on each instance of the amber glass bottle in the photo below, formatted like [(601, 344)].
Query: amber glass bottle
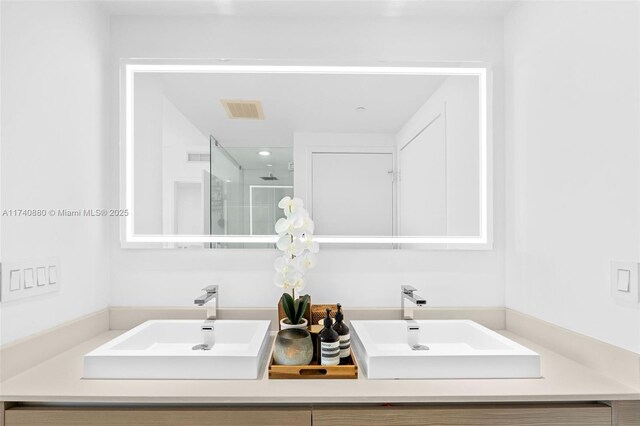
[(329, 343), (345, 338)]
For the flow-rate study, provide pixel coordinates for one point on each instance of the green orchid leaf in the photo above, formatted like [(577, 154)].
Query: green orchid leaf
[(288, 306), (301, 308)]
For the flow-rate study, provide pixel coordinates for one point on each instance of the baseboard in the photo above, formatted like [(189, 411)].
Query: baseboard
[(612, 361), (32, 350)]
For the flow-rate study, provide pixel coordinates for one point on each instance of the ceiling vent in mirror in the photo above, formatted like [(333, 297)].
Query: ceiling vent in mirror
[(195, 156), (248, 110)]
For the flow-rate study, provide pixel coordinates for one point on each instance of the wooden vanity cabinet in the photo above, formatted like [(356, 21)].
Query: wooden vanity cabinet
[(583, 414), (145, 416), (623, 413)]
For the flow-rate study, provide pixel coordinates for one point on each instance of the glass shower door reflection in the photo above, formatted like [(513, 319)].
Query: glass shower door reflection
[(226, 193), (263, 207)]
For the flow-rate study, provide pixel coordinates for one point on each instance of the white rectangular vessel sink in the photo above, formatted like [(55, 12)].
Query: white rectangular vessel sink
[(163, 349), (457, 349)]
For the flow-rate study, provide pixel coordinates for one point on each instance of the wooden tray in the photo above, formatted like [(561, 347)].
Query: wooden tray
[(313, 370)]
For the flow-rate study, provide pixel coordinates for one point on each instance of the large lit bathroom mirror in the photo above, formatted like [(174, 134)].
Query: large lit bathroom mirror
[(389, 156)]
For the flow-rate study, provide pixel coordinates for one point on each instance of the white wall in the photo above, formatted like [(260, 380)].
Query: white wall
[(355, 277), (573, 80), (54, 145)]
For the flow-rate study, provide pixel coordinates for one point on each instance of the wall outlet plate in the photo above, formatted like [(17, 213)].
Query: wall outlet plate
[(34, 278), (624, 283)]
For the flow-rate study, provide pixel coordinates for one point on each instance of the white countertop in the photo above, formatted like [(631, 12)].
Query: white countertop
[(60, 380)]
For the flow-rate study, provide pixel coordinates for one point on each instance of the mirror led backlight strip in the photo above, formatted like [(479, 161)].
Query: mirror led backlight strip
[(131, 69)]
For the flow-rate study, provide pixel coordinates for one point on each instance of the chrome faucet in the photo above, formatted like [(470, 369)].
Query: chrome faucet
[(407, 292), (211, 292)]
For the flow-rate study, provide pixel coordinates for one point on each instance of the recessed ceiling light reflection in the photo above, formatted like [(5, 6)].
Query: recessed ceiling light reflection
[(264, 153), (269, 165)]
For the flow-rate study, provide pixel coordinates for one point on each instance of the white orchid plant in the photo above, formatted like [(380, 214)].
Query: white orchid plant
[(295, 232)]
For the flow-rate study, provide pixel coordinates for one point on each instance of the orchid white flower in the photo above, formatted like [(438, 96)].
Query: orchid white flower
[(279, 281), (284, 280), (308, 261), (299, 284), (310, 244), (290, 225), (290, 245), (296, 264), (307, 224), (283, 265), (295, 232), (282, 204), (291, 281), (291, 206)]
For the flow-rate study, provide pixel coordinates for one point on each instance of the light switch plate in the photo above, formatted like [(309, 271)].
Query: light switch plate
[(53, 274), (41, 276), (624, 280), (15, 279), (34, 278), (624, 283), (29, 279)]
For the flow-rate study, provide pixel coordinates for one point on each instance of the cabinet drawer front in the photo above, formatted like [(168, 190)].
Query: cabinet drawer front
[(473, 415), (26, 416)]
